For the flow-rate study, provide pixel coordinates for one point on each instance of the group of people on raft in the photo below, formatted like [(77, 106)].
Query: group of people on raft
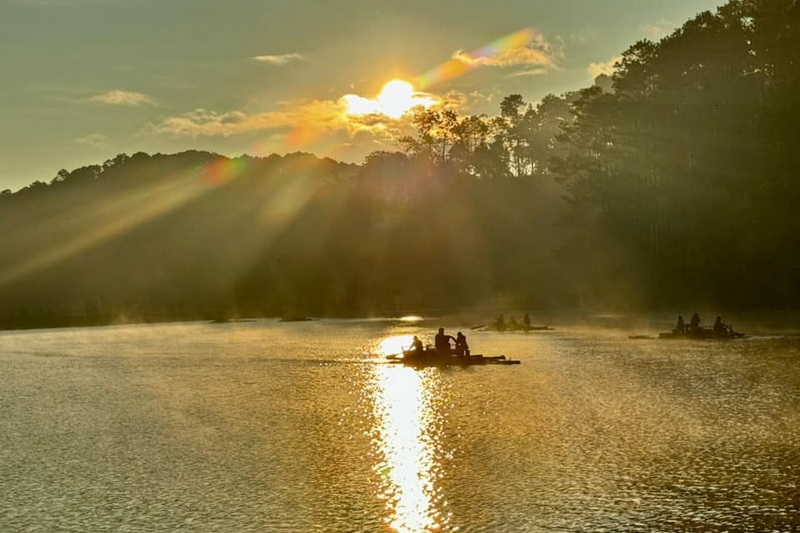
[(501, 325), (694, 326), (442, 344)]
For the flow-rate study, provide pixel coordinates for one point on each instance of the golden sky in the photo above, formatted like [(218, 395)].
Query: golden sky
[(84, 80)]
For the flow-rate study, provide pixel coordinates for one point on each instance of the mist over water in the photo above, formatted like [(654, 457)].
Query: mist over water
[(293, 427)]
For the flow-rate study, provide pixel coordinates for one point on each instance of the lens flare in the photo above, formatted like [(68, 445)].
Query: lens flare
[(463, 63), (353, 114), (223, 170)]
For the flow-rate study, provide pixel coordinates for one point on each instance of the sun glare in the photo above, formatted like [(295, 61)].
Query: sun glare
[(395, 99), (407, 445), (394, 345)]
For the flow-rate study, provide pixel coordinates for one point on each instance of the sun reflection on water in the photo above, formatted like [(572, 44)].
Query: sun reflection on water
[(393, 345), (406, 440)]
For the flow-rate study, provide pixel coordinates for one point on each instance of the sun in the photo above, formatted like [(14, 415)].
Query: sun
[(395, 99)]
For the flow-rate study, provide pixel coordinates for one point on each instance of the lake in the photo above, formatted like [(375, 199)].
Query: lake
[(301, 427)]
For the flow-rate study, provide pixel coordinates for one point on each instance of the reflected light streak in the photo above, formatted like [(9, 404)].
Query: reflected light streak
[(406, 438)]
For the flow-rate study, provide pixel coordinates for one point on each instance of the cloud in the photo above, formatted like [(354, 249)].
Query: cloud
[(454, 100), (94, 140), (478, 96), (582, 36), (607, 68), (506, 58), (529, 72), (308, 124), (534, 57), (126, 98), (658, 30), (397, 98), (300, 123), (279, 60), (205, 123)]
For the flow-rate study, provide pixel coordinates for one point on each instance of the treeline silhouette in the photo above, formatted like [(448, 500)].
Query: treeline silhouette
[(671, 183), (683, 177), (198, 235)]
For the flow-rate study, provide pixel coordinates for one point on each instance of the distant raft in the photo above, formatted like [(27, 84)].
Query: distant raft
[(513, 327), (436, 358), (701, 333), (295, 319)]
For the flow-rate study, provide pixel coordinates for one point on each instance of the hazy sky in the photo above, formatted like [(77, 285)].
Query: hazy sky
[(83, 80)]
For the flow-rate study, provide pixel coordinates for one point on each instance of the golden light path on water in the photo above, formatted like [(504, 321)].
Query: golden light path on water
[(406, 444)]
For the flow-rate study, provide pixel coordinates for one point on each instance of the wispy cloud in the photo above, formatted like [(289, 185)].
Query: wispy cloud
[(535, 58), (320, 116), (539, 71), (538, 52), (657, 30), (126, 98), (94, 140), (279, 60), (483, 97), (607, 67), (582, 36), (206, 123)]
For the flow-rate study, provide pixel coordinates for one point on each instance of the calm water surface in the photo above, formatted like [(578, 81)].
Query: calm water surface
[(294, 427)]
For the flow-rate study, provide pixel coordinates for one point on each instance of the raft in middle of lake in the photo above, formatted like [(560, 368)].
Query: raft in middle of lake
[(436, 358)]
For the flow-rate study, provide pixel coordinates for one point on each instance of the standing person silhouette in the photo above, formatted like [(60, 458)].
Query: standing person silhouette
[(694, 323), (442, 342)]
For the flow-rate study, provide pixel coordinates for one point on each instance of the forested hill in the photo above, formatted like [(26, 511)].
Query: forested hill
[(671, 185), (198, 235)]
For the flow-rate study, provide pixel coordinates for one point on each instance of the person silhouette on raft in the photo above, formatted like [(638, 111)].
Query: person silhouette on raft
[(442, 342), (462, 348), (680, 327), (416, 347)]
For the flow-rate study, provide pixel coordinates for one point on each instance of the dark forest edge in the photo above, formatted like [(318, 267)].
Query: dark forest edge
[(671, 185)]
